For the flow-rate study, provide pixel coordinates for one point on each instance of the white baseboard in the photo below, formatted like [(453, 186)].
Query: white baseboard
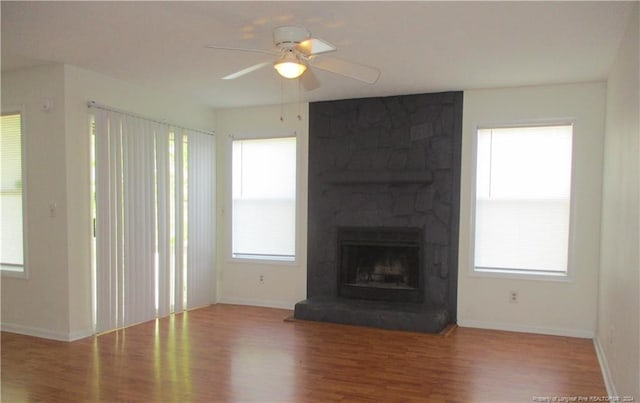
[(45, 333), (604, 368), (257, 302), (510, 327)]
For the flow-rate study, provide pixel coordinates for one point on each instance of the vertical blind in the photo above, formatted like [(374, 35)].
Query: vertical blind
[(155, 204)]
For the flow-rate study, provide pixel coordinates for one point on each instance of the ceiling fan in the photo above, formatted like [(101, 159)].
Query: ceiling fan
[(297, 53)]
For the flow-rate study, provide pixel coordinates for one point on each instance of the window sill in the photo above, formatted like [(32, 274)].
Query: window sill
[(521, 274), (10, 272), (264, 259)]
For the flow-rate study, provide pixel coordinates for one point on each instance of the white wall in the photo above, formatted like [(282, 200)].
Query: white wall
[(38, 305), (55, 301), (238, 281), (618, 332), (552, 307)]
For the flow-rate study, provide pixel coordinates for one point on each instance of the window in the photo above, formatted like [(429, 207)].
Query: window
[(11, 194), (523, 188), (264, 198)]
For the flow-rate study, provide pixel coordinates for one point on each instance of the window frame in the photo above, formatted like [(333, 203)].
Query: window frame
[(261, 259), (24, 273), (520, 274)]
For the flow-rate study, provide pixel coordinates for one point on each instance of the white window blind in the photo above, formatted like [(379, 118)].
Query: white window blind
[(523, 188), (264, 198), (201, 205), (11, 194), (155, 204)]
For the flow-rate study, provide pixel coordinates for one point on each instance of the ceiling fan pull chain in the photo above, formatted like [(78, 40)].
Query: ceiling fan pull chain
[(299, 100), (281, 99)]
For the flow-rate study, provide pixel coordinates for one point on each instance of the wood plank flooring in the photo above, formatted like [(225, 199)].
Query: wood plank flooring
[(239, 353)]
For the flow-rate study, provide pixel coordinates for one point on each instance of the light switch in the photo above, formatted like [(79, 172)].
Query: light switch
[(52, 209)]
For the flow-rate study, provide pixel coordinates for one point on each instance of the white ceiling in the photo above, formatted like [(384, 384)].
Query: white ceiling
[(418, 46)]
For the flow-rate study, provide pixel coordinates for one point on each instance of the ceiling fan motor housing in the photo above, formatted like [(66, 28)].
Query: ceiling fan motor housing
[(287, 37)]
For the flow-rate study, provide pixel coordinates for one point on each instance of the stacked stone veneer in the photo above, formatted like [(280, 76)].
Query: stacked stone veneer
[(386, 162)]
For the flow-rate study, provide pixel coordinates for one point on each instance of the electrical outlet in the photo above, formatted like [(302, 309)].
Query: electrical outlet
[(262, 279), (513, 297)]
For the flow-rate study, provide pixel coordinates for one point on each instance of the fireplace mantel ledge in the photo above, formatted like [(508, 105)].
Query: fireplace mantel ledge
[(378, 177)]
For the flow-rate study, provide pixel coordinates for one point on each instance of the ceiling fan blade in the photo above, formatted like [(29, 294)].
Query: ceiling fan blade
[(246, 71), (353, 70), (315, 46), (309, 80), (267, 52)]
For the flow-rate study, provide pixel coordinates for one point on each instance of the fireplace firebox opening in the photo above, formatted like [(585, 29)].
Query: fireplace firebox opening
[(383, 264)]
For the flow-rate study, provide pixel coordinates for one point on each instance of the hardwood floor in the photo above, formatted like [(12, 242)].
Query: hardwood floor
[(239, 353)]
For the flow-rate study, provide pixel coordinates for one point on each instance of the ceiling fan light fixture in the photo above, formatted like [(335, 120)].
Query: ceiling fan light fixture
[(289, 66)]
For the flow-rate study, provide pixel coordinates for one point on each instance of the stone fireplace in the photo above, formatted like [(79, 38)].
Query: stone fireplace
[(382, 244)]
